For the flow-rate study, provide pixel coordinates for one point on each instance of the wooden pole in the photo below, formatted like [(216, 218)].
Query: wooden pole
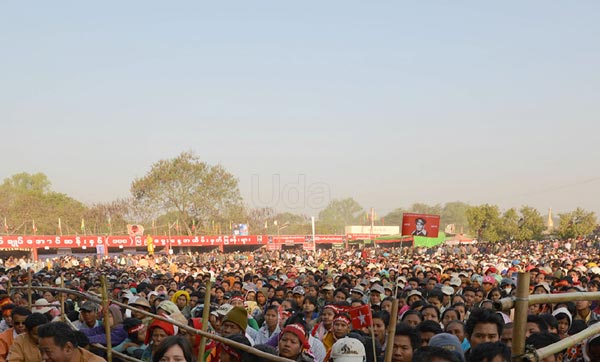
[(240, 346), (205, 315), (506, 304), (105, 314), (29, 296), (562, 344), (520, 321), (63, 315), (389, 345)]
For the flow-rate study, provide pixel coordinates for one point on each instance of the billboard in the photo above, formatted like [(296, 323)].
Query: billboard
[(421, 225), (240, 229)]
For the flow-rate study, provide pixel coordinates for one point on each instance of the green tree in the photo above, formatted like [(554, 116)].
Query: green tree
[(454, 213), (484, 220), (509, 224), (395, 217), (27, 198), (531, 224), (191, 190), (288, 223), (576, 223), (338, 214)]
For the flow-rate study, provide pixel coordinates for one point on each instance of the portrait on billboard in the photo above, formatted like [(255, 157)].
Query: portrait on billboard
[(421, 225)]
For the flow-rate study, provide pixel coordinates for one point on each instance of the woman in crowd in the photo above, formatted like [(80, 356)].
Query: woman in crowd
[(270, 327), (174, 349)]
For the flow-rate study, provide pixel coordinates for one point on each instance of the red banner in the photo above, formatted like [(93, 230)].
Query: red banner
[(91, 241), (361, 316), (421, 225), (362, 236)]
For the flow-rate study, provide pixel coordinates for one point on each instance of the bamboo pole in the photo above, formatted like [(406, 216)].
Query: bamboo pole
[(121, 356), (63, 315), (216, 337), (105, 315), (562, 344), (509, 303), (205, 315), (389, 345), (520, 321), (29, 296)]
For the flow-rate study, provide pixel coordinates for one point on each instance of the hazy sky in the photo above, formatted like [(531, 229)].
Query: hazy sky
[(387, 102)]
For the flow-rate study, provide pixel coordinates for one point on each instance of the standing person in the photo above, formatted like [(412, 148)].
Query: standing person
[(25, 346), (58, 343)]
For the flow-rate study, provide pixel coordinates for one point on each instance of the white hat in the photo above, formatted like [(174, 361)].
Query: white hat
[(348, 350), (224, 309), (41, 306)]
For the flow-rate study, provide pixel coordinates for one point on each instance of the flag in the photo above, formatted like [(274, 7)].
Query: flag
[(266, 225), (33, 226), (5, 225), (361, 316), (193, 225), (383, 221), (177, 225), (275, 222), (109, 222), (82, 225), (59, 226)]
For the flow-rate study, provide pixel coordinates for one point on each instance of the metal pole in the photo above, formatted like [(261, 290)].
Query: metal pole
[(205, 315), (520, 321), (389, 345), (105, 314)]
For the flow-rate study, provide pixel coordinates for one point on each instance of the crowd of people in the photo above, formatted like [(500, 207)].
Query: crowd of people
[(299, 305)]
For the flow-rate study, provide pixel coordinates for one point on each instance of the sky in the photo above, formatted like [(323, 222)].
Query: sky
[(390, 103)]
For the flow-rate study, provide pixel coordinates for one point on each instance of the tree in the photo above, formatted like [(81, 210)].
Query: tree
[(531, 224), (576, 223), (485, 221), (395, 217), (191, 190), (338, 214), (289, 224), (454, 213), (25, 198), (509, 226)]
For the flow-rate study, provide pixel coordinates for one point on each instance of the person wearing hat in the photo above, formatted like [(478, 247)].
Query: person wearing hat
[(419, 227), (115, 322), (564, 318), (375, 294), (157, 331), (342, 324), (348, 350), (293, 343), (448, 342), (321, 329), (235, 322), (181, 298), (143, 304), (88, 316)]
